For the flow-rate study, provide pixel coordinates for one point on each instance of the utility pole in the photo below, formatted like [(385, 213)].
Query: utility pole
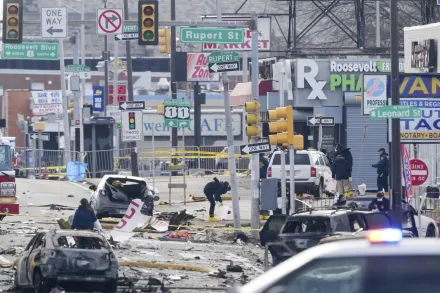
[(377, 23), (83, 86), (105, 56), (65, 105), (230, 136), (173, 83), (396, 184), (198, 101), (134, 154)]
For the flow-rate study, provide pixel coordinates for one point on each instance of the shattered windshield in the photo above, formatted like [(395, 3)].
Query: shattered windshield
[(79, 242), (125, 190), (5, 158)]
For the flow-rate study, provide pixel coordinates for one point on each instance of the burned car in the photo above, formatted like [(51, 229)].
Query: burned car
[(78, 261), (114, 193)]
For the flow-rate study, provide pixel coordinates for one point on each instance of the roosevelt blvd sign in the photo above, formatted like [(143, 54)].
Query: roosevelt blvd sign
[(255, 148), (211, 35), (31, 51), (223, 61), (395, 111)]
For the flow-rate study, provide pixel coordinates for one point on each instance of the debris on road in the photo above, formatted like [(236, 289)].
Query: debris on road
[(234, 268)]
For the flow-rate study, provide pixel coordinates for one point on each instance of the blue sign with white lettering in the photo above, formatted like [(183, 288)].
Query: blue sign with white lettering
[(417, 85), (98, 99)]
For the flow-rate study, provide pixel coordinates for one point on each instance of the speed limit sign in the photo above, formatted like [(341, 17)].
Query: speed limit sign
[(419, 172)]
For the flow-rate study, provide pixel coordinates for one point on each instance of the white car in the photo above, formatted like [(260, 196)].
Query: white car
[(113, 194), (382, 263), (311, 169)]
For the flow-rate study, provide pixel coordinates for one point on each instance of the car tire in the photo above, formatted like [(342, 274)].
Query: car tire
[(111, 287), (430, 232), (40, 284), (319, 189)]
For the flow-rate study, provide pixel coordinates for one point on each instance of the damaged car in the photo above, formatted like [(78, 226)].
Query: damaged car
[(112, 196), (77, 261)]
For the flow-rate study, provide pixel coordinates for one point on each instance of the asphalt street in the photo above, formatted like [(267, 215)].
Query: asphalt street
[(42, 202)]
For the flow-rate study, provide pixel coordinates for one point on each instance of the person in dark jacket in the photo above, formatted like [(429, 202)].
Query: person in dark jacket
[(264, 163), (382, 171), (380, 203), (346, 153), (213, 191), (85, 218), (340, 173)]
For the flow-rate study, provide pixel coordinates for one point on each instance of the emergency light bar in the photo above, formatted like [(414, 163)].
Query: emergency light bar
[(385, 236)]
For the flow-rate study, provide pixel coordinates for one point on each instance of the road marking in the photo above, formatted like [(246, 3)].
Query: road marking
[(79, 185)]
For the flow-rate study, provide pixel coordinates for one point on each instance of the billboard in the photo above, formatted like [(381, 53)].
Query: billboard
[(374, 94), (424, 54)]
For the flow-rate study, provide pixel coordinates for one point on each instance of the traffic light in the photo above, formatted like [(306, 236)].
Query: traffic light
[(253, 118), (148, 11), (131, 120), (161, 109), (165, 40), (71, 106), (12, 21), (283, 128)]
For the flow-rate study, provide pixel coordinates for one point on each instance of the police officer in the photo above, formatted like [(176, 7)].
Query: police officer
[(213, 191), (382, 170), (380, 203), (264, 163)]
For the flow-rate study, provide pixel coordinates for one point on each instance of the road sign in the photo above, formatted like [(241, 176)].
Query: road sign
[(177, 113), (324, 121), (132, 126), (109, 21), (211, 35), (31, 51), (419, 172), (395, 111), (43, 136), (255, 148), (82, 71), (132, 105), (54, 22), (223, 67), (130, 32), (223, 57), (113, 111)]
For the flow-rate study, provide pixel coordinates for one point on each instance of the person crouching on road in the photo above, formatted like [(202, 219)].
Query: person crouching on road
[(341, 173), (85, 218), (213, 191), (380, 203)]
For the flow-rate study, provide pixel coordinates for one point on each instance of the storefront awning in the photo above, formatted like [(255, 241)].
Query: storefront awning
[(242, 92)]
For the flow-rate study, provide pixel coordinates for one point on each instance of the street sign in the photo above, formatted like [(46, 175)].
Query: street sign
[(211, 35), (132, 126), (130, 32), (395, 111), (223, 57), (43, 136), (54, 22), (324, 121), (113, 111), (82, 71), (255, 148), (177, 113), (223, 67), (109, 21), (132, 105), (419, 172), (31, 51)]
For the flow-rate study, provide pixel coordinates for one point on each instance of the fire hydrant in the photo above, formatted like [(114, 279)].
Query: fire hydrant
[(45, 171)]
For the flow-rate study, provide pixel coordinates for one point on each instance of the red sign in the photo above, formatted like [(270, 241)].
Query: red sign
[(122, 92), (419, 172)]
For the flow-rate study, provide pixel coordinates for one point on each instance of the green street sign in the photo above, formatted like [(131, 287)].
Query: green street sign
[(31, 51), (77, 68), (389, 112), (177, 113), (211, 35), (130, 28), (223, 57)]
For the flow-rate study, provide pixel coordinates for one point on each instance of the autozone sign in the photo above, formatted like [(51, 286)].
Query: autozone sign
[(264, 29)]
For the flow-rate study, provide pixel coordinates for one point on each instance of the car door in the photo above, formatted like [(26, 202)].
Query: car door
[(35, 254), (22, 261)]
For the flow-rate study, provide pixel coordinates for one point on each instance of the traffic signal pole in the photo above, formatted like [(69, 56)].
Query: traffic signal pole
[(173, 83), (230, 136), (283, 158)]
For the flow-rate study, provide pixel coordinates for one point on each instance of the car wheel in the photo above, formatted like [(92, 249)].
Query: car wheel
[(430, 232), (319, 189), (40, 284), (111, 287)]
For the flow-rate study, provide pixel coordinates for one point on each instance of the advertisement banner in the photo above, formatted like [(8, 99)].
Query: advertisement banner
[(417, 86), (197, 68), (264, 33), (406, 171), (46, 109), (46, 97), (98, 99), (374, 93)]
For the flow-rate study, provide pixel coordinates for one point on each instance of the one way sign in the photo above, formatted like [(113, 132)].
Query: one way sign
[(324, 121), (132, 105), (255, 148)]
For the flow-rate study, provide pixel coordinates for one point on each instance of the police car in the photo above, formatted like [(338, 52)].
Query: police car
[(382, 263)]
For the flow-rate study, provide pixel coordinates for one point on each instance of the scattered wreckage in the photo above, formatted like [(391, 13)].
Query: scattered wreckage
[(80, 261)]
